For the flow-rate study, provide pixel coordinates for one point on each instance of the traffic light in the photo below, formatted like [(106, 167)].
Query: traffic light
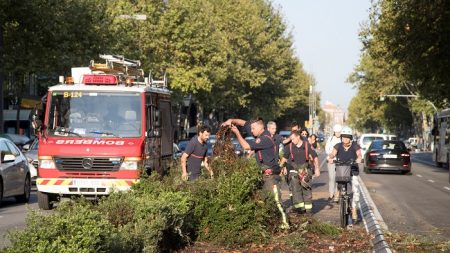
[(307, 124)]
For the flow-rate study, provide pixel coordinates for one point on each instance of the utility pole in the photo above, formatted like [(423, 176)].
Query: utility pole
[(312, 108)]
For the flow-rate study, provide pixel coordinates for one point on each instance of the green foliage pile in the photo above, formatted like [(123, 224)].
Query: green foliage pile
[(236, 212), (74, 227), (158, 215)]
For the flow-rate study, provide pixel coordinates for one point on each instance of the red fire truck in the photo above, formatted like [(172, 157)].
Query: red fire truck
[(101, 129)]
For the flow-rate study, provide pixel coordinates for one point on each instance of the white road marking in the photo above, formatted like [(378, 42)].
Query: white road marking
[(429, 180), (445, 187), (419, 175)]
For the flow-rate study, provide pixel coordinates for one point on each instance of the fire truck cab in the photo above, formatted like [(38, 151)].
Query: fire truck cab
[(103, 128)]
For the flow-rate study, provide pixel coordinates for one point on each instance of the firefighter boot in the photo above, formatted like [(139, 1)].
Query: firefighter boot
[(354, 215)]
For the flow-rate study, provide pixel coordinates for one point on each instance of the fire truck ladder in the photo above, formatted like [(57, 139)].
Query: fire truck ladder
[(118, 65), (158, 83)]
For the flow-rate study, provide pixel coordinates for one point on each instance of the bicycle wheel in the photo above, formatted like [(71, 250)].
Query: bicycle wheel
[(342, 215), (343, 205)]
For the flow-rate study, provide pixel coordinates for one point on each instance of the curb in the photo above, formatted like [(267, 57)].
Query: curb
[(372, 219)]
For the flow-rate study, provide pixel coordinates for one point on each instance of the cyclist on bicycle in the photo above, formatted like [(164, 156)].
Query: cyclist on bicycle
[(348, 151)]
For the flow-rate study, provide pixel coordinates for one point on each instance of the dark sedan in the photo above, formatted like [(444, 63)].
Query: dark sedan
[(384, 155)]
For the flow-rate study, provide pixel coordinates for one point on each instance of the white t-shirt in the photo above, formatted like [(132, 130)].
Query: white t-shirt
[(333, 140)]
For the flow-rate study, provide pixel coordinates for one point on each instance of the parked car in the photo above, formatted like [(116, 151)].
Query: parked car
[(31, 153), (320, 137), (238, 149), (176, 152), (385, 155), (182, 144), (365, 140), (212, 139), (413, 143), (15, 180), (285, 134), (210, 144), (19, 140)]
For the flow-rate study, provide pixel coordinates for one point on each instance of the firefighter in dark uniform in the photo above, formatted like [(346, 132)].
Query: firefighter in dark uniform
[(195, 154), (272, 128), (297, 157), (266, 157)]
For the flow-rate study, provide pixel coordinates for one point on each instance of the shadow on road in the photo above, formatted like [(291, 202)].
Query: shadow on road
[(11, 201)]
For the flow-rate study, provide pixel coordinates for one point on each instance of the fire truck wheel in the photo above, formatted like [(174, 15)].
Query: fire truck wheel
[(25, 197), (44, 201)]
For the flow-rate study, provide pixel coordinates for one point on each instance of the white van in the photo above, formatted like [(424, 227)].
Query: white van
[(365, 140)]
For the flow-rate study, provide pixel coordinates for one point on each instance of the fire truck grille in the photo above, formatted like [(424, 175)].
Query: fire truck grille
[(88, 163)]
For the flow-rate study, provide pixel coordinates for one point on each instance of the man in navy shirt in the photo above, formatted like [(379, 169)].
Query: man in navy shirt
[(266, 156), (195, 154), (272, 128)]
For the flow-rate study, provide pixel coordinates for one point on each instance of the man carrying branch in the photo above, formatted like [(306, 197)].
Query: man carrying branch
[(266, 157)]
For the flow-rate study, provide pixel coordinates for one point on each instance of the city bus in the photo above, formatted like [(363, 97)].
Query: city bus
[(441, 132)]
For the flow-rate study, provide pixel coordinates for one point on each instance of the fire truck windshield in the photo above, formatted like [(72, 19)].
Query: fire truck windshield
[(94, 114)]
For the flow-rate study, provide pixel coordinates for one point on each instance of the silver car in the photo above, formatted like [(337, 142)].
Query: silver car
[(31, 153), (14, 173)]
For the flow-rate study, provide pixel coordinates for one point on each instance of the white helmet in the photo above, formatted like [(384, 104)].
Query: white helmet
[(347, 132), (337, 128)]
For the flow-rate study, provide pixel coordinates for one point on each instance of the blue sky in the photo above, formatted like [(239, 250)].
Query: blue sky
[(326, 41)]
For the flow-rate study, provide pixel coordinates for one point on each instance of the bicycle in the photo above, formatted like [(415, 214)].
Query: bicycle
[(343, 178)]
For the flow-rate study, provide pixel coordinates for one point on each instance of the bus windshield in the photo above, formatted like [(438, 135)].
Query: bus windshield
[(94, 114)]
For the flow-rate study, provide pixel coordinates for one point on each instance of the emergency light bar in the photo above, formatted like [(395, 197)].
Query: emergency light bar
[(100, 79)]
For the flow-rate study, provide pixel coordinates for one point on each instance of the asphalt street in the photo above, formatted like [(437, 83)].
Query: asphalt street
[(13, 214), (416, 203)]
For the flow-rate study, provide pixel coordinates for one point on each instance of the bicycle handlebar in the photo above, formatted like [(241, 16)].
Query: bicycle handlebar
[(350, 162)]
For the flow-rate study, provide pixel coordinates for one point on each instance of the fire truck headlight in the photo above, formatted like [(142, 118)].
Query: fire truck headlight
[(129, 165), (46, 164)]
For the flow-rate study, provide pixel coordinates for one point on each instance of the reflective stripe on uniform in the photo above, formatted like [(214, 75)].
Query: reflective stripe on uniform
[(280, 208), (197, 156), (299, 205), (308, 206)]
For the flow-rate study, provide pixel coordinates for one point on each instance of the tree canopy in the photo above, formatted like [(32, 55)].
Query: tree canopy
[(405, 52), (235, 56)]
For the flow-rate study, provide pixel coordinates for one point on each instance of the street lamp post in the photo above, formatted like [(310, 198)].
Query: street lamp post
[(312, 109), (139, 17), (383, 97)]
